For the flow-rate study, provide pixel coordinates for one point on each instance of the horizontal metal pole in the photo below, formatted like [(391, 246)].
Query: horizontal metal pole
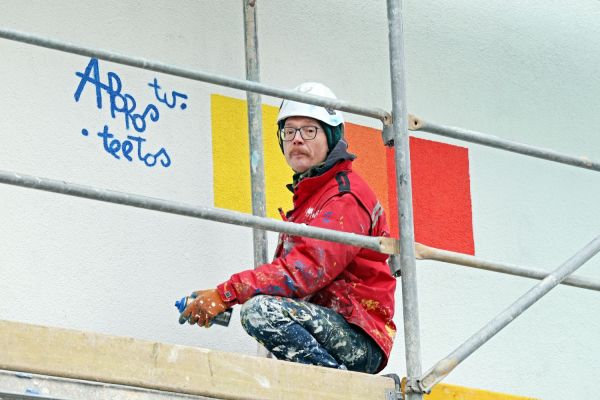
[(380, 244), (423, 252), (440, 370), (241, 84), (417, 124)]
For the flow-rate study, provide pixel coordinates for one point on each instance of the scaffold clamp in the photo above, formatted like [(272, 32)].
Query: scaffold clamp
[(396, 393), (387, 134), (411, 385)]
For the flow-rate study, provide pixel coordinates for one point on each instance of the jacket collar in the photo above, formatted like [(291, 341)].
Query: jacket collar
[(309, 186)]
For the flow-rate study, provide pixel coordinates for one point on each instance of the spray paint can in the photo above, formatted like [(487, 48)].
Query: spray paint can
[(220, 319)]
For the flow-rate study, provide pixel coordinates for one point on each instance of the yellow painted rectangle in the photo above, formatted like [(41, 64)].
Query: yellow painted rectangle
[(444, 391), (231, 158)]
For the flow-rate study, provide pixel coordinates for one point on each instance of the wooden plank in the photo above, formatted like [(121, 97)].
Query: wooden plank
[(127, 361), (25, 386)]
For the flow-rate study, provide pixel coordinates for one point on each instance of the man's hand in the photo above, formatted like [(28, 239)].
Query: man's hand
[(203, 308)]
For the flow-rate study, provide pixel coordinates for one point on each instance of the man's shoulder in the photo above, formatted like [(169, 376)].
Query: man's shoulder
[(349, 180)]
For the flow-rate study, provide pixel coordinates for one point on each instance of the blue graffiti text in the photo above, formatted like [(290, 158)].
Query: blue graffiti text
[(163, 98), (133, 144), (120, 102)]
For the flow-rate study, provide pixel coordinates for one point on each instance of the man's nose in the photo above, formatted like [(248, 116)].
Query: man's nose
[(298, 137)]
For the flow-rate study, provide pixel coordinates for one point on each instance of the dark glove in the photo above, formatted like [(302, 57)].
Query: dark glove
[(203, 308)]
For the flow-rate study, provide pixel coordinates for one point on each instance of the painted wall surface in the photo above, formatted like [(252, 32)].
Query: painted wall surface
[(522, 71)]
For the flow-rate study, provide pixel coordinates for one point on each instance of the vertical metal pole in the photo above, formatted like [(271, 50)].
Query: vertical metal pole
[(404, 195), (257, 164)]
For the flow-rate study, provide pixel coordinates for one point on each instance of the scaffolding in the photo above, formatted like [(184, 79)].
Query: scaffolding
[(395, 126)]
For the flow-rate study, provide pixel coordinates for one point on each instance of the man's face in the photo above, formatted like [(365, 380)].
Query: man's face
[(302, 154)]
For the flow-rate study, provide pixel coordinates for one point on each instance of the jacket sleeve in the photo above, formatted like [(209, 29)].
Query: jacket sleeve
[(306, 265)]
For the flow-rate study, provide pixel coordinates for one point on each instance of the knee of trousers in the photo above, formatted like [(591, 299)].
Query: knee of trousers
[(260, 312)]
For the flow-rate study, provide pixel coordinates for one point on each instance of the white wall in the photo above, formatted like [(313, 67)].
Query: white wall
[(525, 72)]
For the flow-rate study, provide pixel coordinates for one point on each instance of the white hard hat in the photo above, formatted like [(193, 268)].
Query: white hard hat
[(327, 115)]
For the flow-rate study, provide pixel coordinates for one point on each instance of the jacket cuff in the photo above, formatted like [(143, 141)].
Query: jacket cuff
[(227, 293)]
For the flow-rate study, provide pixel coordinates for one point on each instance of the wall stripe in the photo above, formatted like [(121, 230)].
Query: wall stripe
[(443, 391), (442, 195), (231, 160)]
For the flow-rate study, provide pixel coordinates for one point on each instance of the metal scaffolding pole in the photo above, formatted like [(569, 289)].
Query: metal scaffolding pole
[(440, 370), (241, 84), (380, 244), (417, 124), (255, 140), (404, 195), (430, 253)]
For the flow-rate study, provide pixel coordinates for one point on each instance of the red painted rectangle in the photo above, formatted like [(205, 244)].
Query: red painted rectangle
[(441, 189)]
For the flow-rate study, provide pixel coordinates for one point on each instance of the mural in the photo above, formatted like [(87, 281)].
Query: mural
[(440, 175), (124, 105)]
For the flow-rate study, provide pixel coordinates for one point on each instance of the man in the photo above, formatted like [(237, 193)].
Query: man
[(318, 302)]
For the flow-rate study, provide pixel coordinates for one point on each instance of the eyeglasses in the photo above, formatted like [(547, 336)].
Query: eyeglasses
[(288, 133)]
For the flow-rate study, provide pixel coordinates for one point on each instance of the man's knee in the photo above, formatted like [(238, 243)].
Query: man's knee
[(259, 312)]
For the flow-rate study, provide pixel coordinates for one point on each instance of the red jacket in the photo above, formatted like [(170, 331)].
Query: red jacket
[(353, 281)]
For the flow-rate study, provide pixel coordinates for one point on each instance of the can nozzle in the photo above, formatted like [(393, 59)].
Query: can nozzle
[(181, 304)]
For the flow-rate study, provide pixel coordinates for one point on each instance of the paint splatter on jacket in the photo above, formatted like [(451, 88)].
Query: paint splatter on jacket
[(354, 282)]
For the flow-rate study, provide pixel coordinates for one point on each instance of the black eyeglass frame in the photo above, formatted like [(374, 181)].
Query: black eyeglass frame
[(281, 132)]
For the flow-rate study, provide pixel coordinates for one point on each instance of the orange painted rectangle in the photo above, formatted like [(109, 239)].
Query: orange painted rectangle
[(366, 143)]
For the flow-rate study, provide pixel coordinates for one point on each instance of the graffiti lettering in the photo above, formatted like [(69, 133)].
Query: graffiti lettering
[(118, 148), (163, 98), (123, 103), (119, 102)]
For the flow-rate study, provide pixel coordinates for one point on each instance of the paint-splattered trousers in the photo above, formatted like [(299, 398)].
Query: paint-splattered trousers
[(299, 331)]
